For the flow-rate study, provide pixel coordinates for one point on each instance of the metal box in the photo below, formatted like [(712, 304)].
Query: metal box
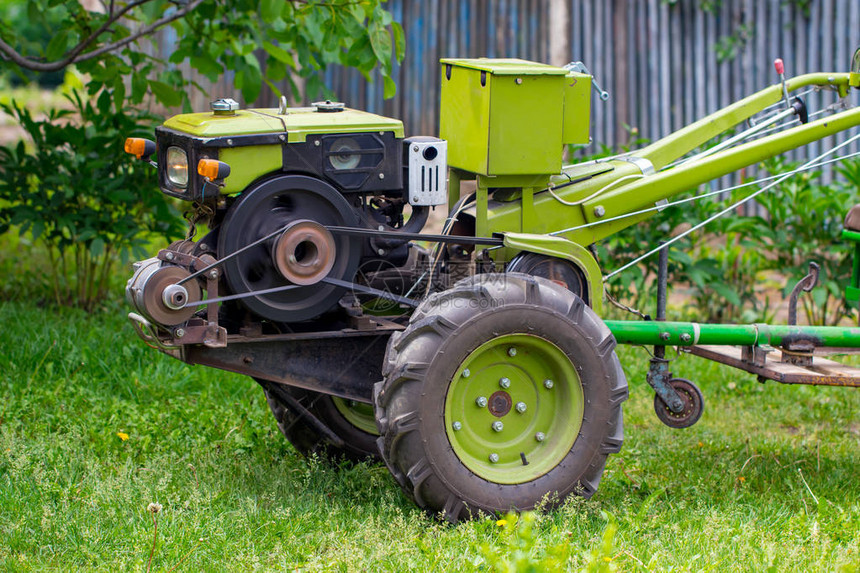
[(511, 117)]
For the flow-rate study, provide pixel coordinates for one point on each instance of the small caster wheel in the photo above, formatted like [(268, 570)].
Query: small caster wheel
[(694, 405)]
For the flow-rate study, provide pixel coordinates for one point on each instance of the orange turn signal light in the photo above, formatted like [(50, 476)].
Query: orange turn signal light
[(213, 169), (139, 147)]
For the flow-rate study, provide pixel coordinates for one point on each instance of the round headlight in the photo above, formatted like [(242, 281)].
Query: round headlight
[(177, 166)]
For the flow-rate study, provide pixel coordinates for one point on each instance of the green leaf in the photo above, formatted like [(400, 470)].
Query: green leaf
[(252, 84), (270, 10), (165, 93), (57, 46), (380, 41), (97, 247), (279, 54), (389, 87), (727, 293), (207, 66), (399, 41)]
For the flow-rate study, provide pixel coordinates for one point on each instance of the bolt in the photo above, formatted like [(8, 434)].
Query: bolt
[(664, 336), (540, 436), (229, 142), (599, 211), (481, 401), (203, 247), (498, 426), (380, 228), (494, 458), (317, 143), (505, 383), (382, 175), (213, 274), (380, 252), (512, 351), (548, 384), (466, 373), (179, 332), (685, 337), (415, 148), (415, 199), (169, 256), (519, 81), (521, 407), (456, 426)]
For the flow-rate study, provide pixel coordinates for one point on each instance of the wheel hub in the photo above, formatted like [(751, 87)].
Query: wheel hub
[(506, 444), (500, 403)]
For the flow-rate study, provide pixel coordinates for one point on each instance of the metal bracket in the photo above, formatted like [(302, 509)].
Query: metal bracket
[(658, 372), (658, 378), (805, 284), (644, 165)]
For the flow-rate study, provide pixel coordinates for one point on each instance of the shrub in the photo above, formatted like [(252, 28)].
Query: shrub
[(84, 201)]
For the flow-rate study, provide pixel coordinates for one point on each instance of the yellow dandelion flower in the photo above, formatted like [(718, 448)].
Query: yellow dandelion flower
[(122, 436), (502, 522), (742, 479)]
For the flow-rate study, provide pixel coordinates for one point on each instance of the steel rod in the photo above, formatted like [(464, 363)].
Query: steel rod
[(693, 333)]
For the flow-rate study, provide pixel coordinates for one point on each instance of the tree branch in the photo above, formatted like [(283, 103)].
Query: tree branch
[(142, 32), (73, 55)]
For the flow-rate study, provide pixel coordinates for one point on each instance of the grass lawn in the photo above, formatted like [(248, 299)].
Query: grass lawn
[(768, 480)]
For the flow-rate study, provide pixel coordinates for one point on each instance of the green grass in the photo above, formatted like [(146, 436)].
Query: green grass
[(767, 479)]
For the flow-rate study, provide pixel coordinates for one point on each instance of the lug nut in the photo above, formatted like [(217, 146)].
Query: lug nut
[(481, 401), (548, 384), (540, 436), (505, 383), (512, 351), (498, 426), (494, 458), (466, 373), (521, 407), (456, 426)]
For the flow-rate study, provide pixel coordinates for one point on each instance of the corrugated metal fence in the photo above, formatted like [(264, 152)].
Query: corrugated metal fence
[(665, 63)]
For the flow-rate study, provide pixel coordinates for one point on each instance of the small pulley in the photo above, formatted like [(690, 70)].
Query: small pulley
[(155, 293)]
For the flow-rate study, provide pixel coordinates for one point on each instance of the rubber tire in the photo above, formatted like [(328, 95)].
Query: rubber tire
[(421, 360), (358, 444), (694, 405)]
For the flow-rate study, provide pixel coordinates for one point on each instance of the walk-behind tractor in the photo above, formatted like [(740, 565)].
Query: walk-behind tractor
[(476, 362)]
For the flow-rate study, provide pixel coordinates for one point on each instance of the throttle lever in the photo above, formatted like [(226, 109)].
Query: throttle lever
[(579, 67)]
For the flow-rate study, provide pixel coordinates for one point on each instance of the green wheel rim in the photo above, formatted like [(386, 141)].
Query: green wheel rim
[(511, 370), (358, 414)]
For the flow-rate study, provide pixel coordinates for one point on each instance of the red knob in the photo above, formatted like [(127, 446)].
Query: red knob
[(780, 68)]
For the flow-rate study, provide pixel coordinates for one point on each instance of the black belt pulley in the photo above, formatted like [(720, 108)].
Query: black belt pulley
[(303, 254)]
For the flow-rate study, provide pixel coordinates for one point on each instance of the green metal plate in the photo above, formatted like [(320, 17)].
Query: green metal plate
[(299, 122), (507, 371), (505, 66)]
